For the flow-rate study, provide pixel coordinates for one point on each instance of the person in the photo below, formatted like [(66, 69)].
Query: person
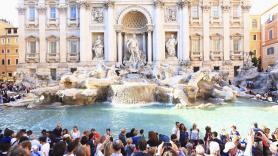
[(70, 149), (274, 148), (214, 136), (85, 146), (17, 150), (91, 143), (207, 137), (200, 151), (98, 48), (232, 150), (129, 147), (141, 148), (214, 149), (75, 133), (36, 152), (153, 139), (131, 133), (171, 46), (58, 130), (45, 146), (26, 145), (194, 134), (59, 148), (100, 146), (108, 133), (122, 136), (183, 135), (117, 146), (176, 129), (234, 133)]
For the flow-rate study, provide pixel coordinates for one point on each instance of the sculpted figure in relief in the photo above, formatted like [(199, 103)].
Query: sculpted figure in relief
[(98, 15), (171, 46), (98, 48)]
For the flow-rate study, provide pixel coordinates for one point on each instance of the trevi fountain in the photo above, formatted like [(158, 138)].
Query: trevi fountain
[(137, 93)]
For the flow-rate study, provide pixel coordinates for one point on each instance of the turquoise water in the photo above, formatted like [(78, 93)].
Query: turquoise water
[(158, 117)]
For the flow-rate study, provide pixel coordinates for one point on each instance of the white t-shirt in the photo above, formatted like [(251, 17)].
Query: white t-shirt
[(75, 135), (45, 149), (98, 150)]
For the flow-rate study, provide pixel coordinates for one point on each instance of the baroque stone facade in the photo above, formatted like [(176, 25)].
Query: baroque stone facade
[(58, 36)]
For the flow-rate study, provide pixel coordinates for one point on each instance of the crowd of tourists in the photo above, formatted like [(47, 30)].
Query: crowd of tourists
[(10, 92), (181, 142)]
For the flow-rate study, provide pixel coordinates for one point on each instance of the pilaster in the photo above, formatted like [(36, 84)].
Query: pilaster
[(21, 33), (226, 25), (42, 39), (63, 31), (246, 29), (206, 40)]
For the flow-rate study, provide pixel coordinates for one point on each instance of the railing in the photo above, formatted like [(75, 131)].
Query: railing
[(196, 55), (73, 22), (32, 57), (73, 57), (53, 21), (216, 55), (236, 55), (53, 57)]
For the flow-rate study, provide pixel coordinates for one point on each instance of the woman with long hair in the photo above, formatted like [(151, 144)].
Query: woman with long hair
[(183, 135)]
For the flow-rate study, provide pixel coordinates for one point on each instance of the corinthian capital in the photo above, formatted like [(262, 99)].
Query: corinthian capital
[(21, 10), (109, 3), (183, 3), (83, 3), (41, 8), (158, 3), (246, 5)]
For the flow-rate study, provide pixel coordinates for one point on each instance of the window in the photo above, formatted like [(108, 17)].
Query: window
[(52, 47), (3, 62), (52, 13), (15, 31), (73, 47), (32, 14), (236, 45), (254, 23), (254, 37), (215, 11), (16, 50), (196, 69), (33, 47), (73, 12), (216, 68), (3, 51), (9, 61), (195, 46), (236, 11), (195, 11), (270, 51), (9, 31), (8, 51), (10, 74), (216, 45), (16, 61), (270, 35)]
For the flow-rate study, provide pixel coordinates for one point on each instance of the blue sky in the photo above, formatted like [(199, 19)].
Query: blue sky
[(9, 12)]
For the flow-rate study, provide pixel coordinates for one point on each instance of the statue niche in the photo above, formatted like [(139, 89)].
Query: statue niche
[(97, 49), (171, 46)]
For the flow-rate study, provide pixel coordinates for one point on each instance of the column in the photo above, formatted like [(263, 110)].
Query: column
[(85, 52), (245, 9), (226, 25), (42, 20), (159, 34), (206, 39), (120, 47), (63, 27), (109, 34), (144, 43), (150, 29), (21, 31), (184, 31)]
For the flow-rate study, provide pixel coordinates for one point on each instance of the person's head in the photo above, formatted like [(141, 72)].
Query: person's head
[(214, 148), (17, 150), (255, 125), (141, 131), (22, 139), (117, 145), (153, 136), (169, 152), (75, 129), (177, 124), (123, 131), (129, 141), (108, 131), (8, 132), (91, 136), (194, 126), (141, 145), (182, 127), (71, 147), (230, 148), (84, 140), (65, 131), (79, 151), (42, 140), (59, 126), (43, 132), (59, 148), (29, 133), (174, 138), (26, 145), (200, 151), (208, 129), (214, 135), (108, 149), (233, 128)]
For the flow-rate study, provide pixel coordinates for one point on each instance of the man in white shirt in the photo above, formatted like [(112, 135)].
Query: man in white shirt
[(176, 130), (45, 147)]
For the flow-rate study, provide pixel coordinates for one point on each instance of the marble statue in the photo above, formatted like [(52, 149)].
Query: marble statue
[(136, 56), (98, 48), (171, 46)]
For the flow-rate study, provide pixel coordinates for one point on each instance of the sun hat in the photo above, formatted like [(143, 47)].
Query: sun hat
[(229, 146)]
